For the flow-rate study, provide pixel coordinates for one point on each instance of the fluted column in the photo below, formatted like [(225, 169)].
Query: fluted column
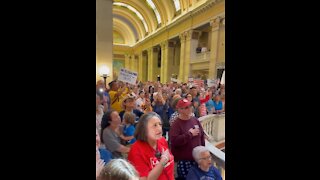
[(127, 61), (186, 71), (135, 63), (145, 65), (215, 27), (104, 36), (140, 66), (164, 62), (182, 37), (150, 64), (156, 69), (172, 60)]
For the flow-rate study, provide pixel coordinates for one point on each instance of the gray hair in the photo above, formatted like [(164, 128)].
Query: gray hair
[(197, 151), (141, 128), (118, 169), (178, 91)]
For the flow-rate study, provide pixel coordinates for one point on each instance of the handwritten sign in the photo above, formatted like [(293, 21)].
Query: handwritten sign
[(198, 82), (127, 76), (212, 82), (173, 80)]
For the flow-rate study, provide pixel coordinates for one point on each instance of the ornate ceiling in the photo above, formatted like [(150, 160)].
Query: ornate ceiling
[(134, 20)]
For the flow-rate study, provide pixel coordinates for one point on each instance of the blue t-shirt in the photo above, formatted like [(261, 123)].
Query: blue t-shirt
[(105, 155), (129, 131), (209, 105), (196, 173), (217, 106), (137, 112)]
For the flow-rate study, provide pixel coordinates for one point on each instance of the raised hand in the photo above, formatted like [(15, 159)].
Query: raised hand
[(99, 166)]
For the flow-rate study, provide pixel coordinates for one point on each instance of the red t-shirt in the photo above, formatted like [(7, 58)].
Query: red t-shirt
[(142, 157)]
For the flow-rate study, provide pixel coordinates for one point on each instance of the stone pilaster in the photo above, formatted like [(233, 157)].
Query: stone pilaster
[(140, 67), (215, 26), (186, 71), (164, 62), (182, 37)]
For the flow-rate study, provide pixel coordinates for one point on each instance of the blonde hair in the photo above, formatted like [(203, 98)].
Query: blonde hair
[(129, 117), (118, 169)]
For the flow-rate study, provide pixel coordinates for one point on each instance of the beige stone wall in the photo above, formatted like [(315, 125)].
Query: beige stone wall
[(104, 36), (191, 21)]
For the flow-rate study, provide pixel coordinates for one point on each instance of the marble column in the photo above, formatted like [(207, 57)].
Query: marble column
[(150, 64), (127, 61), (188, 44), (215, 26), (164, 62), (140, 66), (182, 37), (104, 39)]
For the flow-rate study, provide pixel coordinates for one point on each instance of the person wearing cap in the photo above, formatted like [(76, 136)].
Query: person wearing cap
[(185, 134), (175, 114), (129, 105)]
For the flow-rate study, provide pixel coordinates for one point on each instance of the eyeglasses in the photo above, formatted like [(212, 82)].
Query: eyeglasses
[(206, 158)]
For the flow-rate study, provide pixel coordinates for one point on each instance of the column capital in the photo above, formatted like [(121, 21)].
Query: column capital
[(186, 35), (189, 34), (182, 37), (164, 44), (215, 23)]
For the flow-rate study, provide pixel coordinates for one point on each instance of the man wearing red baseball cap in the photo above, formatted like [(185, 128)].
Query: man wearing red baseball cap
[(186, 133)]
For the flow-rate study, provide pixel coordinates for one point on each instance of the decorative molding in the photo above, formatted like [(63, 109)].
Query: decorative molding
[(164, 44), (217, 21), (199, 61), (205, 6), (189, 34), (121, 56), (182, 37), (202, 8)]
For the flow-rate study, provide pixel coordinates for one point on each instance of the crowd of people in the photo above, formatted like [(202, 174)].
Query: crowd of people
[(143, 131)]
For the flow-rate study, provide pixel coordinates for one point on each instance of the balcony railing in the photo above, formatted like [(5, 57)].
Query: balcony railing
[(201, 57), (214, 127), (218, 157)]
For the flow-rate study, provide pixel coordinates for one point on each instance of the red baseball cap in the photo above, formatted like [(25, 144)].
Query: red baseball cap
[(182, 103)]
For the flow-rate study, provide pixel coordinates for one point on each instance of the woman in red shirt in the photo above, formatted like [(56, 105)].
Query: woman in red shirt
[(150, 154)]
